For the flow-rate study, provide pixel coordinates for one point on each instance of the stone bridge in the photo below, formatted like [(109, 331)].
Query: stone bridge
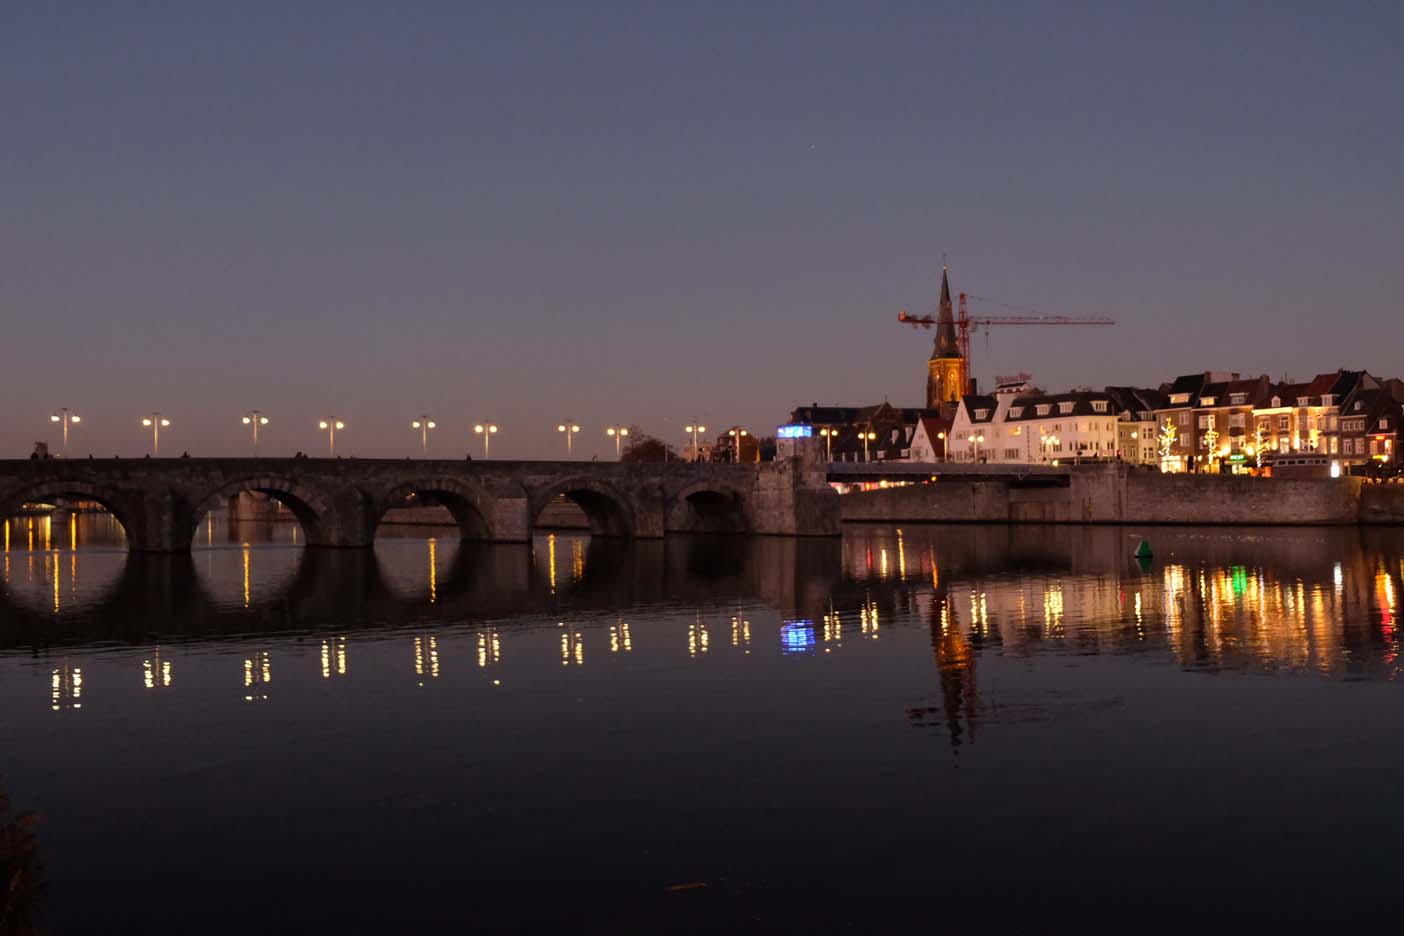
[(340, 502)]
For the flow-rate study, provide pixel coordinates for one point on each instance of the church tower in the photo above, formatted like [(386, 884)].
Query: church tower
[(946, 377)]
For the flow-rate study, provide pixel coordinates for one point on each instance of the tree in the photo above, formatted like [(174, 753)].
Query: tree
[(646, 448)]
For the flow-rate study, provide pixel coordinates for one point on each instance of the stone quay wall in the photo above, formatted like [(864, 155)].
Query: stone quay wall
[(1121, 494)]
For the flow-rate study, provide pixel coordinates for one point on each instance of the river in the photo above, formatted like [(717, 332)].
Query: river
[(1018, 728)]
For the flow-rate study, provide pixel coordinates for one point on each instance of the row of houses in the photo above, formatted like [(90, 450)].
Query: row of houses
[(1209, 421)]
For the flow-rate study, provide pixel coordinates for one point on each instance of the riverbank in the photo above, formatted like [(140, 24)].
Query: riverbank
[(1122, 494)]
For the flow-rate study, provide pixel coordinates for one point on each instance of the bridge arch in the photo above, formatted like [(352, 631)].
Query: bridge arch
[(608, 510), (309, 506), (470, 505), (126, 508), (709, 507)]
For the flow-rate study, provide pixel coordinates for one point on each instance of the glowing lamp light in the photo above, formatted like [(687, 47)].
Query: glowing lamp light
[(324, 424)]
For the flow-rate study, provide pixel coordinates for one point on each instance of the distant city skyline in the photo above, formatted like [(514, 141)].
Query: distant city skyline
[(629, 214)]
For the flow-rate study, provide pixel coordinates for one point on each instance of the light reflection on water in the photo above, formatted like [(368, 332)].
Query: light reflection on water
[(576, 671)]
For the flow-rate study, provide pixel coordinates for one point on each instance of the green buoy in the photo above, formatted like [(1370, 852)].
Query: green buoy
[(1143, 551)]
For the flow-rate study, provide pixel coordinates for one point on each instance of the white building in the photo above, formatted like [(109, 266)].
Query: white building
[(1020, 425)]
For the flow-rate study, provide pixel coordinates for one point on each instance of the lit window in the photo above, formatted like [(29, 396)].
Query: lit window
[(1065, 407), (1099, 406)]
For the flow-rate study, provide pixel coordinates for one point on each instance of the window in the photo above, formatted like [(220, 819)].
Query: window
[(1179, 398), (1011, 454), (1042, 409), (1017, 430), (1205, 422), (981, 413), (1015, 412), (1235, 420), (1359, 404), (1183, 418), (1065, 407), (1384, 422), (1328, 399), (1283, 422), (1238, 399), (1303, 401), (1099, 406), (1331, 422), (1206, 401)]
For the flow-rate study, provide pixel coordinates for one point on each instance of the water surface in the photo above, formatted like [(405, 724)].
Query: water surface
[(1013, 727)]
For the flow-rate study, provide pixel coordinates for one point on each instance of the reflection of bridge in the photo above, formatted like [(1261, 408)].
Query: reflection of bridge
[(339, 502), (165, 596)]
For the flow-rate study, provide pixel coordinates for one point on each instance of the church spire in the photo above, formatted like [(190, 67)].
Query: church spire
[(946, 345)]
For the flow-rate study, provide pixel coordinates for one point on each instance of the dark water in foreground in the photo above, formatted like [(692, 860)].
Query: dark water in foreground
[(949, 727)]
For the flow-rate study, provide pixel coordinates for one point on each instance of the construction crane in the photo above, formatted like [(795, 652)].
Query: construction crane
[(966, 324)]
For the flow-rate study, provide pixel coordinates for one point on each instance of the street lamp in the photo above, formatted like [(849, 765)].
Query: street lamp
[(828, 435), (866, 437), (1048, 442), (695, 428), (486, 429), (570, 428), (66, 416), (736, 434), (255, 419), (975, 441), (618, 433), (942, 437), (331, 426), (423, 424), (156, 422)]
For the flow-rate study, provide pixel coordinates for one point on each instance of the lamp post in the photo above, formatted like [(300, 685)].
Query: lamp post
[(66, 416), (736, 434), (695, 428), (617, 433), (423, 424), (255, 419), (942, 437), (1047, 442), (570, 428), (156, 422), (331, 426), (486, 429), (828, 435), (975, 441), (866, 437)]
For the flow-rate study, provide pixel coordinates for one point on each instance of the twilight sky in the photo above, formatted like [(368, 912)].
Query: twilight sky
[(650, 213)]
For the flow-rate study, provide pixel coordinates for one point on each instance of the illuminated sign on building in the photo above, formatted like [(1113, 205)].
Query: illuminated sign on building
[(795, 431)]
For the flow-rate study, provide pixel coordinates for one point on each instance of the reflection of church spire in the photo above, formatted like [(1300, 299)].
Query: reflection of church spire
[(955, 663)]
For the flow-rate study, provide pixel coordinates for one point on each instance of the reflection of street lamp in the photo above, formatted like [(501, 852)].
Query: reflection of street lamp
[(331, 426), (866, 437), (569, 428), (942, 437), (486, 430), (736, 434), (695, 428), (255, 418), (618, 433), (424, 424), (156, 422), (65, 416)]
